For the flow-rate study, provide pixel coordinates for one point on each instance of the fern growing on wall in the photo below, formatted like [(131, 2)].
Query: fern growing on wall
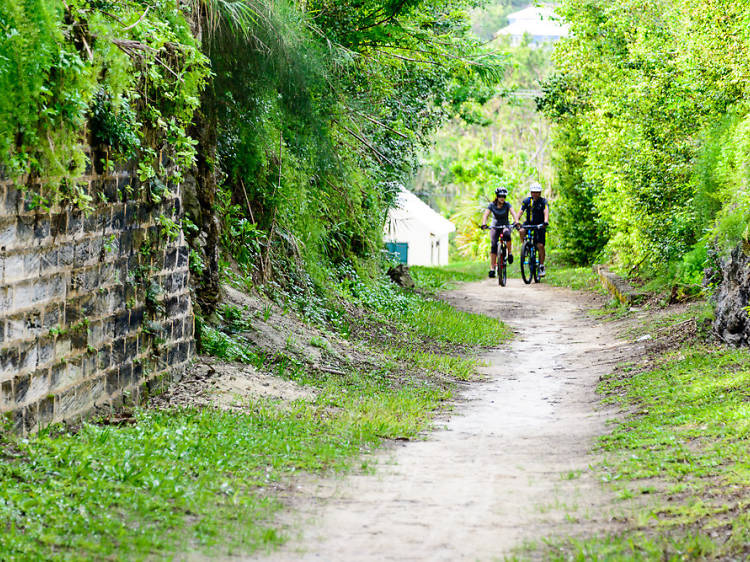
[(121, 74)]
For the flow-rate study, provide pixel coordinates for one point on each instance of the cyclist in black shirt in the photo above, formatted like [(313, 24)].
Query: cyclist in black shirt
[(502, 213), (537, 212)]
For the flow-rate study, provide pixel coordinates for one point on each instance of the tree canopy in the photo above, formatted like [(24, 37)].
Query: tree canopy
[(649, 101), (297, 119)]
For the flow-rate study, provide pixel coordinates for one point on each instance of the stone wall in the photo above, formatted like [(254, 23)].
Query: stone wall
[(732, 323), (94, 307), (618, 286)]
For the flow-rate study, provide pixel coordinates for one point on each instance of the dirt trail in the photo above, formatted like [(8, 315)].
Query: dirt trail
[(511, 463)]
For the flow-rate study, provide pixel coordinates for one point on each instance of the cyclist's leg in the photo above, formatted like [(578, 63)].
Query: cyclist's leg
[(508, 244), (541, 240), (494, 236)]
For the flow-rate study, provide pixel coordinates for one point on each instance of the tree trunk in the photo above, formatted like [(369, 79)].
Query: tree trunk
[(204, 131)]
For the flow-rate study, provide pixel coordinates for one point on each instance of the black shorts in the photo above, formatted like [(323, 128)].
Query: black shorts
[(541, 234), (495, 237)]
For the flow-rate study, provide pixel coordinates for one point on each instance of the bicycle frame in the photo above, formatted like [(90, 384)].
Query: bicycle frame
[(531, 241), (500, 240), (502, 253), (529, 254)]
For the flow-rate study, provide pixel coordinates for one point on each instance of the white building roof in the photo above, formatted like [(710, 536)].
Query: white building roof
[(411, 215), (532, 13), (537, 22)]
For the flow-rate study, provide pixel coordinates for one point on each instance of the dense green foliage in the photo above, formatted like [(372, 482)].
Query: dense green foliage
[(320, 109), (501, 141), (649, 104), (125, 72), (297, 119)]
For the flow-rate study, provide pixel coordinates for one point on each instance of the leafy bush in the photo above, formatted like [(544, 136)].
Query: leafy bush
[(724, 181), (320, 109), (112, 126), (647, 145), (692, 266)]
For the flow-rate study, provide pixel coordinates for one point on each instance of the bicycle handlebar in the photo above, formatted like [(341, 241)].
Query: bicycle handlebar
[(516, 225)]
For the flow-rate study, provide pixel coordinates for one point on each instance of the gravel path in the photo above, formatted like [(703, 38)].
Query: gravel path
[(511, 464)]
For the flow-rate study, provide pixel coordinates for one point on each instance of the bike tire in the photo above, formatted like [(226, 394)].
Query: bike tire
[(527, 266), (502, 268)]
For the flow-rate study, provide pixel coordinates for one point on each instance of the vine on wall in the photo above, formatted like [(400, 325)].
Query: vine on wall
[(123, 76)]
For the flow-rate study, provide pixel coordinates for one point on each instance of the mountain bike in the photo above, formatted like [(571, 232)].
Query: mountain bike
[(501, 268), (529, 257)]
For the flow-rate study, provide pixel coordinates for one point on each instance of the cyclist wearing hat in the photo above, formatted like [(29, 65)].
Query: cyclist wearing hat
[(537, 212), (502, 213)]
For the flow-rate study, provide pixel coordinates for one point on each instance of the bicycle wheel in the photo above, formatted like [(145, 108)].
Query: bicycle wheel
[(502, 269), (537, 278), (528, 260)]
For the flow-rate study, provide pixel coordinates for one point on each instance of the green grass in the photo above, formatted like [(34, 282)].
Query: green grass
[(636, 546), (659, 320), (570, 277), (425, 317), (130, 491), (694, 419), (448, 276), (561, 274), (186, 479), (439, 321), (459, 368), (687, 446), (183, 480)]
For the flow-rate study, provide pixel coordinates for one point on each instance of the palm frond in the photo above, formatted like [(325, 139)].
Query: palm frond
[(235, 16)]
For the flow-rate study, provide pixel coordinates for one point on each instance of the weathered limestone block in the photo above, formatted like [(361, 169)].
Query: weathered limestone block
[(76, 293), (616, 285)]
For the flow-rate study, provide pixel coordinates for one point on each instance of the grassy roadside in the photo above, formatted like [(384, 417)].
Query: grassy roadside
[(185, 480), (558, 274), (432, 279), (561, 274), (685, 447)]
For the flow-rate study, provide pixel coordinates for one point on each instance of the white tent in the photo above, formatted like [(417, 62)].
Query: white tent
[(417, 233), (540, 23)]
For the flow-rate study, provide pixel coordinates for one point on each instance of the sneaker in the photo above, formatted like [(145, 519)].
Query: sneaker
[(491, 273), (541, 270), (510, 258)]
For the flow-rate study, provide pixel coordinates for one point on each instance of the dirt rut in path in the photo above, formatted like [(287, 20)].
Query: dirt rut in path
[(511, 464)]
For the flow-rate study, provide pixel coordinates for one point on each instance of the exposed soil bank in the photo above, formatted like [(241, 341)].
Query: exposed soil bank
[(511, 464)]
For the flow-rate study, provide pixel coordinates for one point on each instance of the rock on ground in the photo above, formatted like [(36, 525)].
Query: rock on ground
[(732, 323)]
